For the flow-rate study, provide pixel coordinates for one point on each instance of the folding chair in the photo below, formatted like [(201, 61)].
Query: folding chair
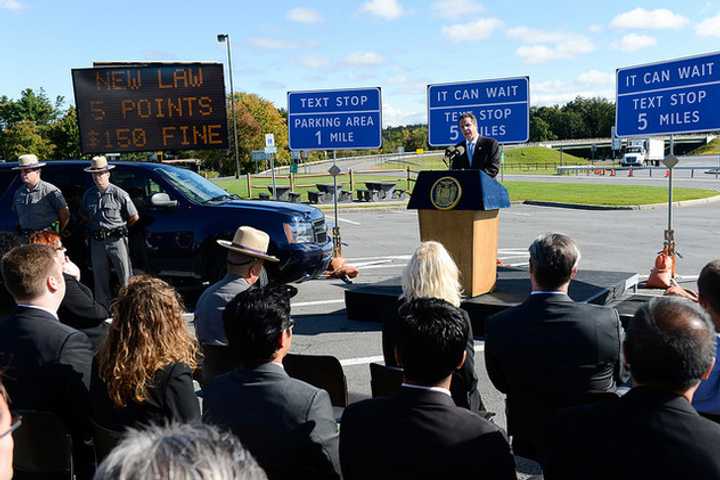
[(384, 380), (322, 371), (104, 439)]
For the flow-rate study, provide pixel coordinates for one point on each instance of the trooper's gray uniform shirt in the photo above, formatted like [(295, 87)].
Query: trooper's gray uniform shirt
[(37, 209), (107, 211)]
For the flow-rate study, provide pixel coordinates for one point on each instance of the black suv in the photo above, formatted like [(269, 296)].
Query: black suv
[(181, 217)]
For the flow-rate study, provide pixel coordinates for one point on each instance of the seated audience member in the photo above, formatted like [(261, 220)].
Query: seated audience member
[(78, 308), (550, 352), (142, 372), (420, 432), (46, 364), (707, 397), (8, 425), (652, 431), (432, 273), (245, 257), (179, 452), (288, 425)]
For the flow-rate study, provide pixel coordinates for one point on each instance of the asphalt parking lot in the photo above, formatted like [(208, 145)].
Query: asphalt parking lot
[(381, 242)]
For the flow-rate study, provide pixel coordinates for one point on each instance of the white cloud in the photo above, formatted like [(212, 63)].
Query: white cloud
[(387, 9), (13, 5), (455, 8), (658, 19), (314, 61), (633, 42), (543, 46), (558, 92), (595, 28), (477, 30), (364, 58), (393, 116), (596, 77), (710, 27), (304, 15), (278, 44)]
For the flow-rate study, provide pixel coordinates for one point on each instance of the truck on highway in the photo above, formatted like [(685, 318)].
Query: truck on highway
[(641, 152)]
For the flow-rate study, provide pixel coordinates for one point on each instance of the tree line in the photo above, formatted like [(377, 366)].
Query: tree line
[(37, 124)]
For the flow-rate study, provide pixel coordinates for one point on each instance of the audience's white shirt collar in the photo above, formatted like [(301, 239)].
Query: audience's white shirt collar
[(432, 389), (547, 292), (54, 314)]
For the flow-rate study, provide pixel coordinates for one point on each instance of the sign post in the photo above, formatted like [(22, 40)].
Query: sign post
[(667, 98), (501, 107), (270, 150), (335, 120)]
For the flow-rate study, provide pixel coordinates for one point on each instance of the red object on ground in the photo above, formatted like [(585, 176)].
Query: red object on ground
[(661, 274), (339, 269)]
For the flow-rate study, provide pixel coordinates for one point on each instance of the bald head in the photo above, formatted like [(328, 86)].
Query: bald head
[(670, 344)]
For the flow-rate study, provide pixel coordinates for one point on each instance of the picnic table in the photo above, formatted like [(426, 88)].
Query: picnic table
[(328, 188), (381, 190), (283, 192)]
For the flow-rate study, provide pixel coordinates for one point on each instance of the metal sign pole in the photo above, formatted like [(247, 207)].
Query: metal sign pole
[(670, 246), (337, 245), (272, 168)]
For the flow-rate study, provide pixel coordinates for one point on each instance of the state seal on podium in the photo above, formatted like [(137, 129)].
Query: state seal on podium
[(445, 193)]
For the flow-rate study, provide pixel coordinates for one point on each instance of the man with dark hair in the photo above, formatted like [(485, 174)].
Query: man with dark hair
[(480, 153), (652, 431), (287, 424), (550, 352), (707, 397), (47, 364), (419, 432)]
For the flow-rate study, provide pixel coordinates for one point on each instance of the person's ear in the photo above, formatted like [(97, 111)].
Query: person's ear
[(53, 284), (462, 360), (573, 273)]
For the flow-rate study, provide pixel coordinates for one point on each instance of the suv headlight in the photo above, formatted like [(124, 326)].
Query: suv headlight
[(299, 231)]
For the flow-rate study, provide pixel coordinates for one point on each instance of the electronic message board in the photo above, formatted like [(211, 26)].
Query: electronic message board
[(152, 107)]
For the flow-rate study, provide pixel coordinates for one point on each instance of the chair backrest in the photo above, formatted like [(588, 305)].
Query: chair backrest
[(217, 359), (384, 381), (105, 440), (43, 445), (322, 371)]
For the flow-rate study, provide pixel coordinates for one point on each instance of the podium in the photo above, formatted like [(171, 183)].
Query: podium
[(460, 209)]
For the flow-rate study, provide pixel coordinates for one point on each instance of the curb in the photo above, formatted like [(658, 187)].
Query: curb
[(652, 206)]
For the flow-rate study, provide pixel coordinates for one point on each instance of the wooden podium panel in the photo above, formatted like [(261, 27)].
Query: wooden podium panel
[(471, 238)]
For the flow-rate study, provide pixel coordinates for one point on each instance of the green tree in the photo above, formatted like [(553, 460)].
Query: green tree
[(65, 135), (25, 137), (539, 128), (31, 106)]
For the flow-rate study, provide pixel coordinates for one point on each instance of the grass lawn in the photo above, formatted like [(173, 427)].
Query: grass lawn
[(600, 194), (712, 148), (527, 160)]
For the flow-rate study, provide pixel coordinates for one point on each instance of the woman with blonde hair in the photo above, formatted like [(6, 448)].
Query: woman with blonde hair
[(142, 373), (432, 273)]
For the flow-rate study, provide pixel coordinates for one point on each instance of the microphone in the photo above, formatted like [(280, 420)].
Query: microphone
[(451, 153)]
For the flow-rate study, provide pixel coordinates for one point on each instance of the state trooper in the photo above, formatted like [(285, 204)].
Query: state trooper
[(109, 211), (38, 205)]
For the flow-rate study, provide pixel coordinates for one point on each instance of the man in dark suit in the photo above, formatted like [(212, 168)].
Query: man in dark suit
[(47, 364), (288, 425), (550, 352), (419, 432), (484, 151), (652, 431)]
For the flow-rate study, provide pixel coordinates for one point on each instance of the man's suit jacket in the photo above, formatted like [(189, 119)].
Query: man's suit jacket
[(421, 434), (47, 366), (288, 425), (548, 353), (80, 310), (486, 157), (646, 433)]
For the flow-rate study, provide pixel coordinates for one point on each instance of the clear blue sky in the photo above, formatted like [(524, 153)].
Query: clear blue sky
[(567, 48)]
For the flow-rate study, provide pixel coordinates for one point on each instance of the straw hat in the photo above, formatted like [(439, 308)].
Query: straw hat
[(251, 242), (28, 161), (99, 164)]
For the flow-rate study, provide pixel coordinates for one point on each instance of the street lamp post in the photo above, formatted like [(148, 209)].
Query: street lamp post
[(225, 37)]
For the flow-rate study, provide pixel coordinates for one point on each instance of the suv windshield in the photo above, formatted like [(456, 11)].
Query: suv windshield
[(193, 186)]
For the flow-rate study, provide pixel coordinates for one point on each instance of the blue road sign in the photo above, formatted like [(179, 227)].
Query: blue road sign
[(501, 107), (335, 119), (678, 96)]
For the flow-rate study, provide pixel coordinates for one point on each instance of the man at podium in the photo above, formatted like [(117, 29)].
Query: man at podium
[(474, 152)]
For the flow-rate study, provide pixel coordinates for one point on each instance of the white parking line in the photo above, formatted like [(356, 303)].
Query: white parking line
[(387, 257), (349, 362), (317, 302), (348, 221)]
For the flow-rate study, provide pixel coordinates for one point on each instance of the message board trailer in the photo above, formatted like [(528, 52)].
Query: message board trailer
[(151, 107), (676, 96), (335, 119), (501, 106)]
